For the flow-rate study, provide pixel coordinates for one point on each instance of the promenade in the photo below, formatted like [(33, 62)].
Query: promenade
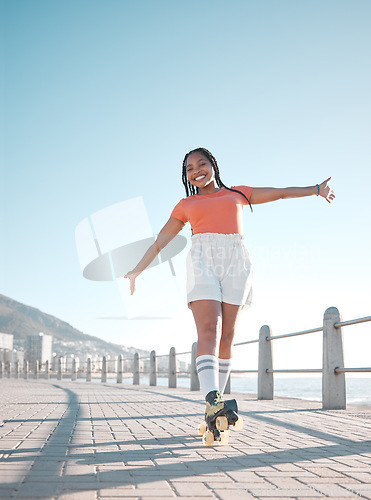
[(79, 440)]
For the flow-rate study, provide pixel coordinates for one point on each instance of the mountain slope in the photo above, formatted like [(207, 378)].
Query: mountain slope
[(22, 320)]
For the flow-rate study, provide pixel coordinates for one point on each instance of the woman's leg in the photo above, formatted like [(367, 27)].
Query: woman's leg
[(208, 318), (230, 314)]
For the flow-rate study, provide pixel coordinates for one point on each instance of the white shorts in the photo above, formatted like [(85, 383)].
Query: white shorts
[(219, 268)]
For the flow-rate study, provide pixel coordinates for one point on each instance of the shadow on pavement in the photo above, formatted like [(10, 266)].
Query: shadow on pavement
[(170, 457)]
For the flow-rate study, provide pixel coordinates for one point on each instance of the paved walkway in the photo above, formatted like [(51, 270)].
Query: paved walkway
[(68, 440)]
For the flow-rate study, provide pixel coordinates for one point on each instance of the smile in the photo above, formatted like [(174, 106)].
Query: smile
[(200, 177)]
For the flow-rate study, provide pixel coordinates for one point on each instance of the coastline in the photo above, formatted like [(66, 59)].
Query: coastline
[(303, 388)]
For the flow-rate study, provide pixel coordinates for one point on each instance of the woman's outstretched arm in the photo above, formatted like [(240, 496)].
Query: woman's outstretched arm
[(167, 233), (266, 194)]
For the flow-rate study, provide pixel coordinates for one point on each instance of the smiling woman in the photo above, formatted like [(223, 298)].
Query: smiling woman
[(219, 272), (200, 165)]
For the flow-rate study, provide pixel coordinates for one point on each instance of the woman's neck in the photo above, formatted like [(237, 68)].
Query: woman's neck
[(210, 188)]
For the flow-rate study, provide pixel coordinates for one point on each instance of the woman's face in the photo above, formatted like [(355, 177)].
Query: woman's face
[(199, 170)]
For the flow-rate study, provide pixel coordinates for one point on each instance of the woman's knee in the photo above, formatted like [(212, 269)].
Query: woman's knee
[(227, 337), (208, 333)]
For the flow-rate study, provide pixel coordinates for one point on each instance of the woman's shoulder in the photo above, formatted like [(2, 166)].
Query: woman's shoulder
[(188, 199), (241, 186), (183, 202)]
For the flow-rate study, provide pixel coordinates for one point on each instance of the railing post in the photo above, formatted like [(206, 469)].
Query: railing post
[(104, 369), (73, 369), (195, 383), (136, 376), (16, 369), (8, 368), (88, 370), (47, 374), (172, 368), (59, 371), (227, 389), (265, 362), (153, 369), (25, 369), (333, 384), (119, 369), (1, 369), (36, 370)]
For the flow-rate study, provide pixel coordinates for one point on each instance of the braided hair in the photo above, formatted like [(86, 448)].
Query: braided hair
[(191, 189)]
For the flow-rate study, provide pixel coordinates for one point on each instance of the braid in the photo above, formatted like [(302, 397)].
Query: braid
[(191, 189)]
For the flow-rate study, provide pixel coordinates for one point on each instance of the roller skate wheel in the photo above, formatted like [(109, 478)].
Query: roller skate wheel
[(239, 424), (222, 423), (208, 438), (224, 438), (202, 429)]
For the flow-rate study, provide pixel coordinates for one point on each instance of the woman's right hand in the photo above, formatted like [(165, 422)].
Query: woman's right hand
[(132, 275), (167, 233)]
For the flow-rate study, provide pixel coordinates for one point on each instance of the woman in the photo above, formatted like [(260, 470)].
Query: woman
[(218, 265)]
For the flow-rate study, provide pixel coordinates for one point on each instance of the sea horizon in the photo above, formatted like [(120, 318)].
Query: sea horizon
[(358, 389)]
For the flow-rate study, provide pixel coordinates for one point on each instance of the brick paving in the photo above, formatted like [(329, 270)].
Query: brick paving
[(79, 440)]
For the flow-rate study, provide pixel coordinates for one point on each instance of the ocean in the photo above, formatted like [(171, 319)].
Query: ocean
[(310, 388)]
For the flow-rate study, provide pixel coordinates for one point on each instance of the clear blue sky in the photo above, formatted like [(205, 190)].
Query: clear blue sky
[(102, 100)]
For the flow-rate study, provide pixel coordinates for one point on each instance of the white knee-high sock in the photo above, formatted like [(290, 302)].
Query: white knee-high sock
[(207, 370), (224, 371)]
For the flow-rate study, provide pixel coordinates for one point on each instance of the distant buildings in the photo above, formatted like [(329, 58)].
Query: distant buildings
[(6, 346), (39, 348), (6, 341), (7, 353)]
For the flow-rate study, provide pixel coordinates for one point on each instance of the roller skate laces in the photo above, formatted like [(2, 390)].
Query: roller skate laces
[(214, 404)]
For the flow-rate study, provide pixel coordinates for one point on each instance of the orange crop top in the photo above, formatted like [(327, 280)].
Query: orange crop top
[(219, 212)]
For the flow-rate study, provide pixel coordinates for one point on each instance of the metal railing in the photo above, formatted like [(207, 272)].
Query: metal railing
[(333, 370)]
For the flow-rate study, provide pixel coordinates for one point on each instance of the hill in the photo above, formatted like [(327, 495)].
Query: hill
[(21, 321)]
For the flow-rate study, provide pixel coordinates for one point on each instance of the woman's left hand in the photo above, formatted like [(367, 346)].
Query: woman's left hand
[(326, 191)]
